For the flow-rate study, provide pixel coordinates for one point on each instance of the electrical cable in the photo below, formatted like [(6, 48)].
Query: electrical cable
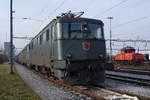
[(26, 18), (114, 6), (131, 21), (58, 7)]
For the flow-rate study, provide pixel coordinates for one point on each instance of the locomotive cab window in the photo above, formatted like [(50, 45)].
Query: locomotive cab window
[(95, 31), (76, 30), (72, 30)]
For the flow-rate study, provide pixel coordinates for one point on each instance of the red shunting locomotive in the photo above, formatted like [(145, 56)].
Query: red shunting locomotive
[(129, 56)]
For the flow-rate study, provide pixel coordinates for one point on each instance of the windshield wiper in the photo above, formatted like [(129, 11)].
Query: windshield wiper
[(77, 33), (75, 36)]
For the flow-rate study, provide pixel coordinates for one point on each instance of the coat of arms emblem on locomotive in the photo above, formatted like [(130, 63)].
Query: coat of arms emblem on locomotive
[(86, 46)]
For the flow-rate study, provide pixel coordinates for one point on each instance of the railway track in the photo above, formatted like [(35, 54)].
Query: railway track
[(94, 92), (137, 68), (141, 70), (139, 81), (134, 71), (133, 68)]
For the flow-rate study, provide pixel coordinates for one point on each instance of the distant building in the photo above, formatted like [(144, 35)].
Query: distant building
[(7, 49)]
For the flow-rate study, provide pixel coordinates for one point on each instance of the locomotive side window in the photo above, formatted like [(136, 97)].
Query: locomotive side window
[(32, 45), (34, 42), (65, 30), (52, 41), (47, 34), (41, 39), (37, 41)]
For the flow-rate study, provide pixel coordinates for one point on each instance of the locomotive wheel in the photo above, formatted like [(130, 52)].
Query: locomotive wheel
[(49, 72)]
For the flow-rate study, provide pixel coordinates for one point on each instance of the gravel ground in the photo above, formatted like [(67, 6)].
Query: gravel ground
[(132, 88), (45, 89)]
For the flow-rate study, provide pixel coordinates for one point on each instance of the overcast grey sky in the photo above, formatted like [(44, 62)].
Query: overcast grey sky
[(131, 17)]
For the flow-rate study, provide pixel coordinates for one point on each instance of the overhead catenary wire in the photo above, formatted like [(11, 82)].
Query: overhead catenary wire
[(109, 9), (28, 18), (25, 37), (131, 21), (129, 40), (125, 41), (58, 7), (90, 4), (43, 10), (117, 49)]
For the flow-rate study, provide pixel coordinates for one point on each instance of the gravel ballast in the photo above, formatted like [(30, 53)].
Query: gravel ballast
[(128, 87), (46, 89)]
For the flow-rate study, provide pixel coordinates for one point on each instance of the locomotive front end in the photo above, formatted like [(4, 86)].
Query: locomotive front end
[(81, 49)]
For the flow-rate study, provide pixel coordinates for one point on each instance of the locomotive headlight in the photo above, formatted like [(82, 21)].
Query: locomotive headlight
[(68, 55)]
